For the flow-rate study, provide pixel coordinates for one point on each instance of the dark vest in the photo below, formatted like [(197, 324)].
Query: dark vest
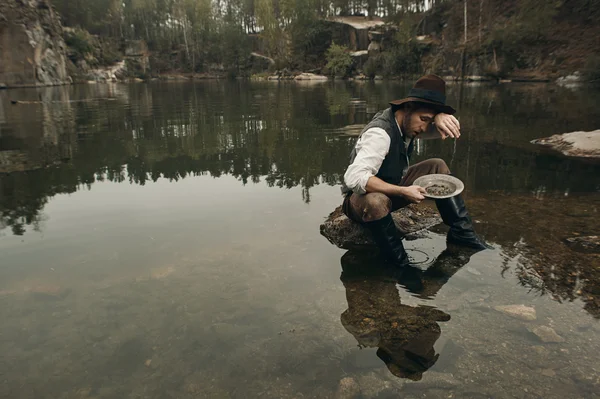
[(396, 162)]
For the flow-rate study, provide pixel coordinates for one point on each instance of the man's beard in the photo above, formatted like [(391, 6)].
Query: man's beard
[(405, 126)]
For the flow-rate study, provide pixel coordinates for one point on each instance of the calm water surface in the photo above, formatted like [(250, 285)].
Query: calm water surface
[(162, 241)]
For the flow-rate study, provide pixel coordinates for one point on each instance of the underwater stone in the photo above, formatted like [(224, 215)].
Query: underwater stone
[(518, 311), (547, 334), (347, 389)]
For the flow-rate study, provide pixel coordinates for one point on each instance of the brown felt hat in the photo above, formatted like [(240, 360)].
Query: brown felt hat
[(431, 90)]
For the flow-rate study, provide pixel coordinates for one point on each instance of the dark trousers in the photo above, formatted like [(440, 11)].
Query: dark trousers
[(373, 206)]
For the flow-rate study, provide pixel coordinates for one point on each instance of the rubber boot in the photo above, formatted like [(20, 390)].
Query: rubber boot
[(388, 239), (454, 213)]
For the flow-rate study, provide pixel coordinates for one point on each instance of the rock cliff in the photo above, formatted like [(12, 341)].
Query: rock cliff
[(32, 50)]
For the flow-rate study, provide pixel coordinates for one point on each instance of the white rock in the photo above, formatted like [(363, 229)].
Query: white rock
[(518, 311), (310, 76), (575, 144)]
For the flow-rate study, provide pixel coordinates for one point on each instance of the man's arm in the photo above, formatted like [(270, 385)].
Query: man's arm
[(443, 126), (411, 193), (371, 149)]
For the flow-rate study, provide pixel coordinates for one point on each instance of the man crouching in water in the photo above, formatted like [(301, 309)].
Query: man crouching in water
[(380, 181)]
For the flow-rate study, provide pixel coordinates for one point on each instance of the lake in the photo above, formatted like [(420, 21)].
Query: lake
[(162, 240)]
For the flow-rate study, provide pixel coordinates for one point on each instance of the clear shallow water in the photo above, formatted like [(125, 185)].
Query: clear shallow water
[(162, 241)]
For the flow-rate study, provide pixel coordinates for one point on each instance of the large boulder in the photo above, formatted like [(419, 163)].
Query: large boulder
[(575, 144), (346, 234)]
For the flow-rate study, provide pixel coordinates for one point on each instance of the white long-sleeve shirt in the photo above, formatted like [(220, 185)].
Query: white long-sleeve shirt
[(371, 149)]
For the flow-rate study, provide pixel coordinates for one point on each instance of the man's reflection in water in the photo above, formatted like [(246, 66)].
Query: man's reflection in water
[(404, 335)]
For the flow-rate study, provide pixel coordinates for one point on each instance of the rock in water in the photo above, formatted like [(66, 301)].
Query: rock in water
[(518, 311), (348, 389), (346, 234), (575, 144), (547, 334)]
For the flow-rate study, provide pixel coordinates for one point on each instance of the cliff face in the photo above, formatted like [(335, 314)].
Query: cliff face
[(32, 50)]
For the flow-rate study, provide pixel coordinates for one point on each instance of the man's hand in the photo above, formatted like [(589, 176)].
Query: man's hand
[(447, 125), (413, 193)]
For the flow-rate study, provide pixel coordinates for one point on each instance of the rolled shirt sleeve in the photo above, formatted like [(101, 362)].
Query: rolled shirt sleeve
[(371, 149)]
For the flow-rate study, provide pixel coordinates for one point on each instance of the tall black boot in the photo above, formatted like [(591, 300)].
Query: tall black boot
[(454, 213), (388, 239)]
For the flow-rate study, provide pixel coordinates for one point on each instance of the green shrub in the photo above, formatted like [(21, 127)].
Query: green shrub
[(339, 60), (402, 60), (80, 43), (309, 42), (108, 52)]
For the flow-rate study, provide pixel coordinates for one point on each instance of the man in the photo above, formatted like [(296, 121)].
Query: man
[(379, 179), (404, 335)]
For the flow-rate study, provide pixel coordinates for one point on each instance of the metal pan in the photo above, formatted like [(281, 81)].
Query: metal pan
[(443, 181)]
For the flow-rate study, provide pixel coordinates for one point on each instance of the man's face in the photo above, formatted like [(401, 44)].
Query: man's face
[(417, 121)]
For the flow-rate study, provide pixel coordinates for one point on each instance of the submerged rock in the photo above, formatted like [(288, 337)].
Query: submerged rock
[(518, 311), (584, 244), (346, 234), (379, 385), (548, 372), (440, 380), (574, 144), (547, 334), (347, 389)]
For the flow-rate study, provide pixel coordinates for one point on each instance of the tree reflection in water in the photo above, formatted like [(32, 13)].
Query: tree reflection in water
[(528, 200)]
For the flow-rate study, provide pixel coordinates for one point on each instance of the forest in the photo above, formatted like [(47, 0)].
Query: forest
[(496, 38)]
